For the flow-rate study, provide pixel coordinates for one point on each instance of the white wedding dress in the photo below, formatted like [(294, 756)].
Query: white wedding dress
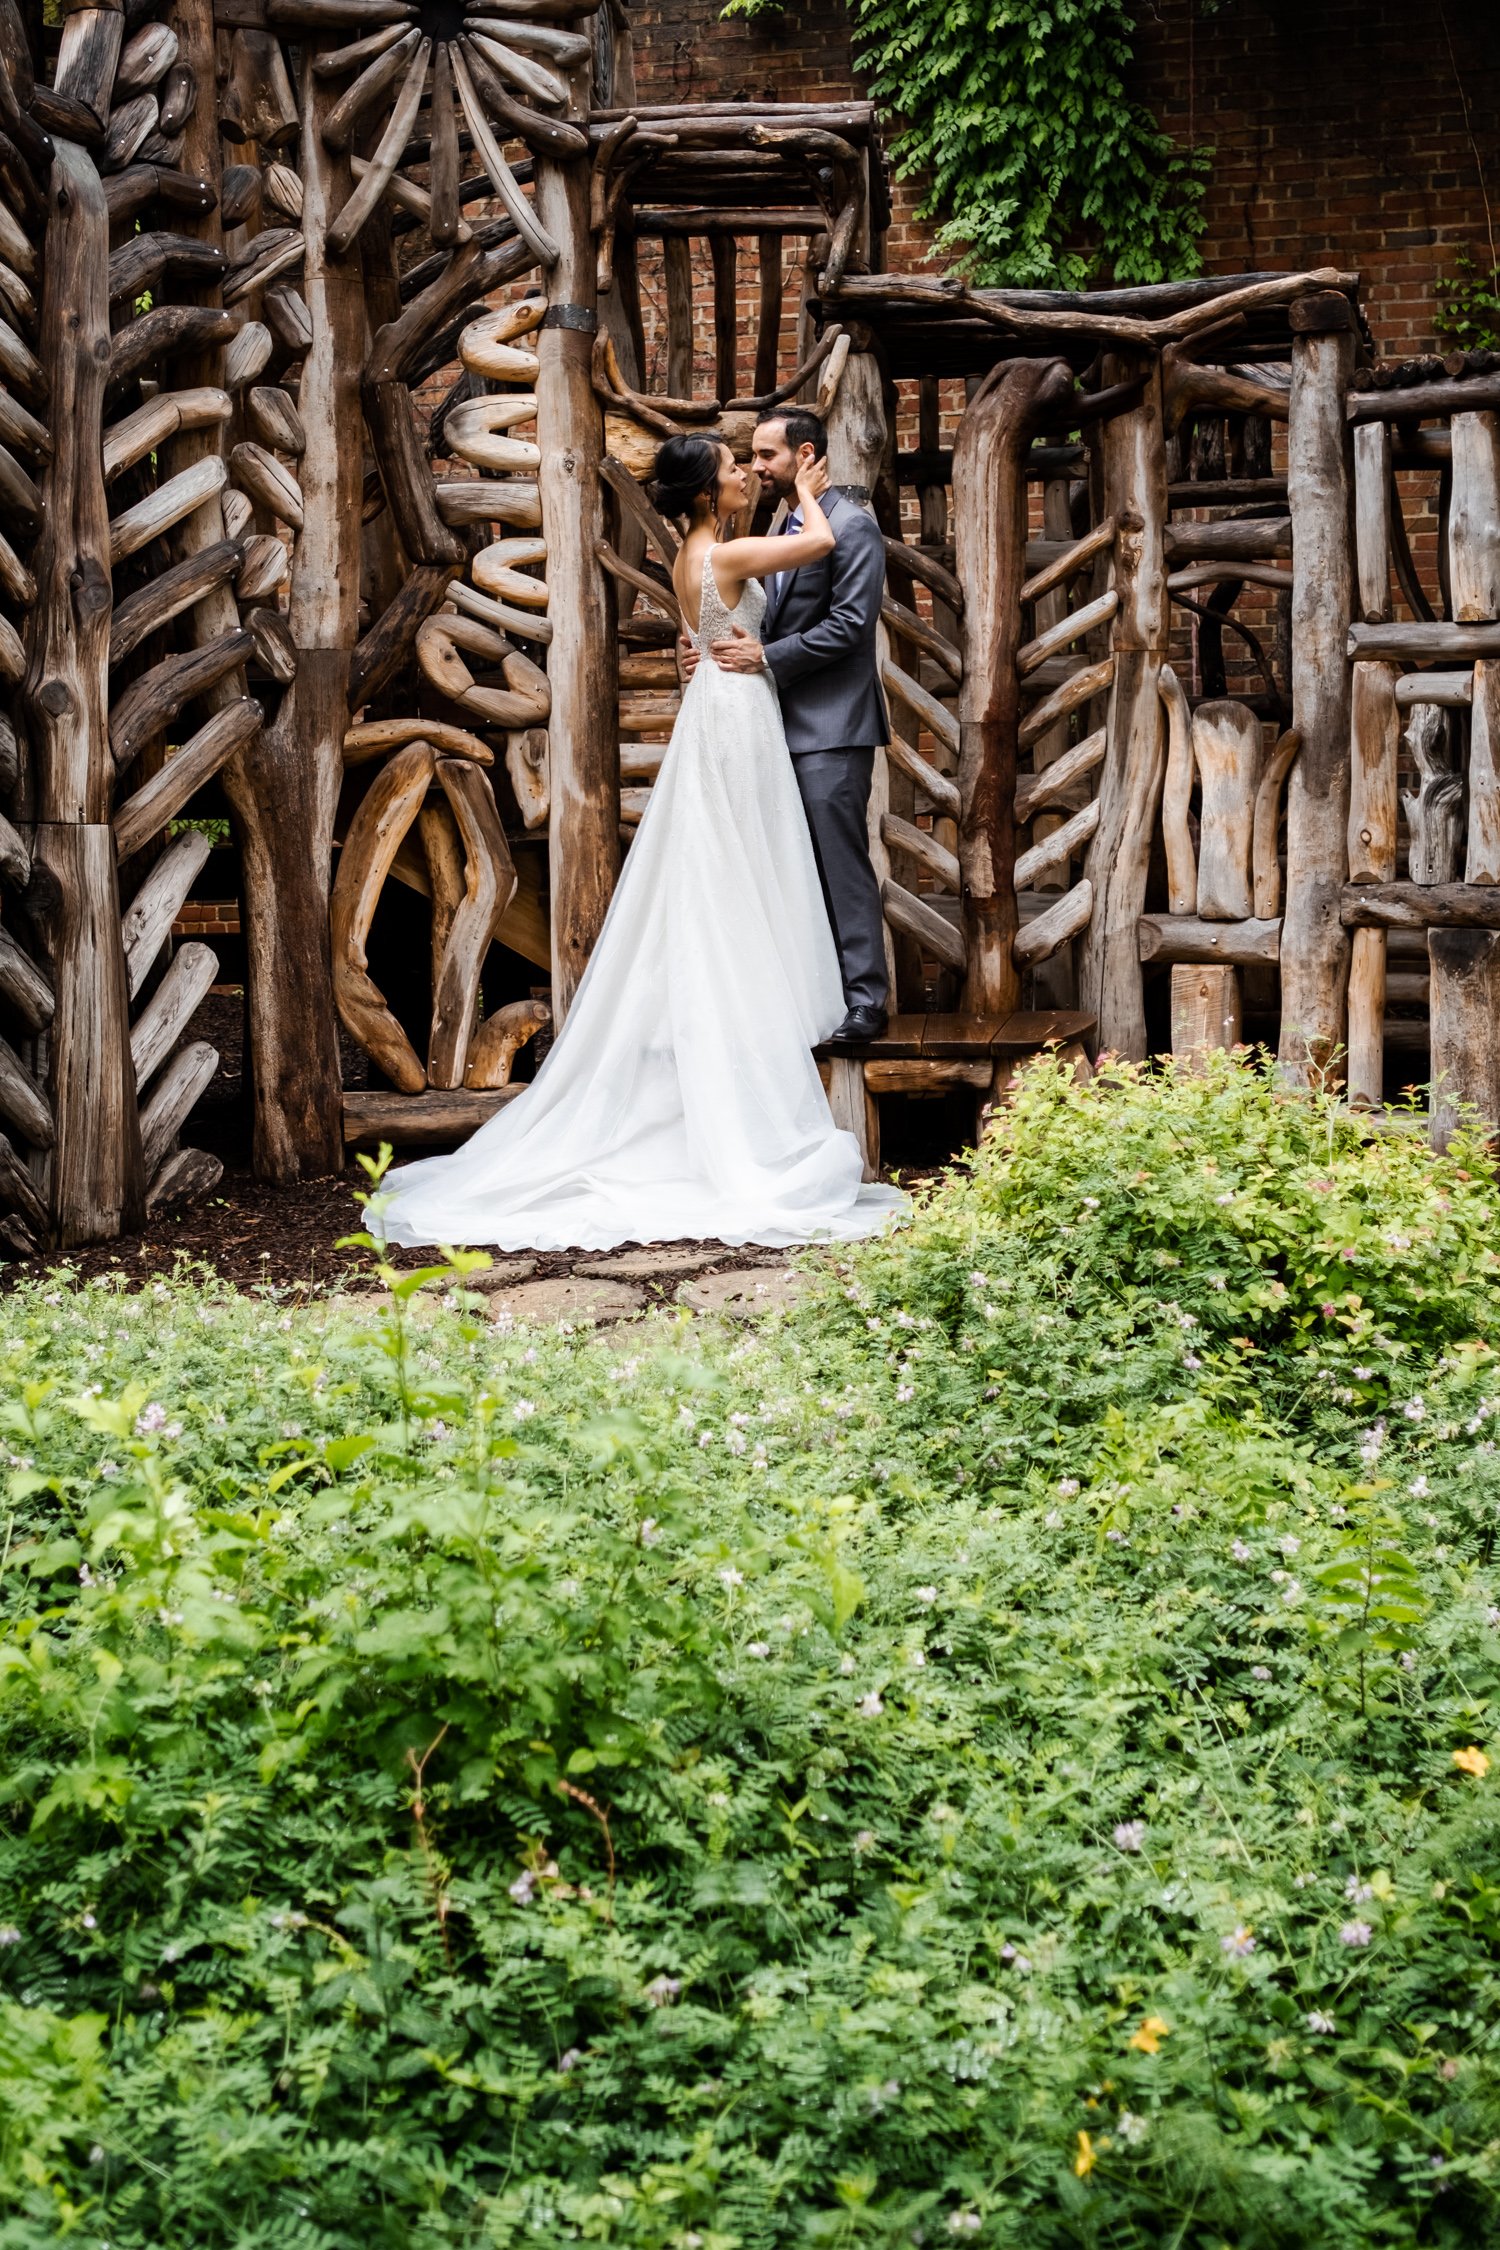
[(680, 1099)]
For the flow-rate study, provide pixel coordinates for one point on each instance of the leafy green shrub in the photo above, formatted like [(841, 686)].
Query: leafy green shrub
[(1469, 305), (1015, 112), (1001, 1754)]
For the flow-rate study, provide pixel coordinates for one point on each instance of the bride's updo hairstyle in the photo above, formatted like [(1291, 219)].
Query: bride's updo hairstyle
[(687, 468)]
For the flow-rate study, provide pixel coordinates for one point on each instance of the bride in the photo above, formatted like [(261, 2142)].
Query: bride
[(681, 1099)]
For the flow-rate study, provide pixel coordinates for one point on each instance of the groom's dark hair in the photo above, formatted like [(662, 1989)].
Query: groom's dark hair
[(802, 427)]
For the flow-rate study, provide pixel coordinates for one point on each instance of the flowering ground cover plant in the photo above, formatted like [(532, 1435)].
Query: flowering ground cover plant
[(1000, 1754)]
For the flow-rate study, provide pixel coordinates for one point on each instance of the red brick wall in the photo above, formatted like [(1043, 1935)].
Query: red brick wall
[(1338, 126)]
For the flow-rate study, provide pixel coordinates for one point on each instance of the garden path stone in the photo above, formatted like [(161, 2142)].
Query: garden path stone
[(503, 1274), (645, 1265), (571, 1297), (742, 1295)]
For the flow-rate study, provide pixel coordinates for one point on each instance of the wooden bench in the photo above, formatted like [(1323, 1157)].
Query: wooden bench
[(925, 1057)]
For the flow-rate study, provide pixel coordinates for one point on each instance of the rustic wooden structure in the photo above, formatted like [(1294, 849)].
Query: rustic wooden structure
[(337, 338)]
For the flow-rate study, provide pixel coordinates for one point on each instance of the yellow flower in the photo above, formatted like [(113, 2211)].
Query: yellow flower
[(1149, 2034), (1472, 1760), (1084, 2161)]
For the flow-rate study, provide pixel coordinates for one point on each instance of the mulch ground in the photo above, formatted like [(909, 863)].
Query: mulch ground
[(250, 1232)]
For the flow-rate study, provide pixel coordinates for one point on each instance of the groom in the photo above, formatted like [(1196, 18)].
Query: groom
[(818, 642)]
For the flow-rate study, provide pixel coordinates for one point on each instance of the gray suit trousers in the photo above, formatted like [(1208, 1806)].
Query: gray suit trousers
[(835, 786)]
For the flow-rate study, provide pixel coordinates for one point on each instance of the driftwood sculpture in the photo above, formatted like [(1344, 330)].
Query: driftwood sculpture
[(337, 338)]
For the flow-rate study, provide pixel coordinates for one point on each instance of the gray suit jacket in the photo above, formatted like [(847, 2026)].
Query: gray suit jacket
[(819, 637)]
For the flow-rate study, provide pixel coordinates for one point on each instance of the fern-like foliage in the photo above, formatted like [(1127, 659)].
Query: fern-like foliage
[(1042, 169)]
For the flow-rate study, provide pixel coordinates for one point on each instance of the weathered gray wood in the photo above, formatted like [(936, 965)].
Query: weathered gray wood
[(177, 1090), (489, 886), (1447, 690), (920, 845), (1176, 796), (387, 810), (1186, 938), (1205, 1011), (1315, 949), (171, 1009), (1421, 906), (1051, 786), (990, 565), (1067, 918), (163, 334), (1229, 754), (1367, 1005), (284, 788), (180, 496), (274, 418), (1373, 490), (437, 1119), (1465, 1003), (1376, 726), (1076, 554), (1433, 812), (23, 1104), (905, 910), (97, 1179), (1229, 539), (147, 812), (1478, 396), (18, 1189), (176, 589), (1412, 644), (1079, 688), (1069, 628), (1474, 518), (183, 1176), (23, 987), (853, 1110), (151, 702), (1134, 490), (1482, 862), (156, 905), (583, 826), (68, 634)]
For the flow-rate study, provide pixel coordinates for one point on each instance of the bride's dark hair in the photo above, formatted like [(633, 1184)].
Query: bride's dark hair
[(686, 468)]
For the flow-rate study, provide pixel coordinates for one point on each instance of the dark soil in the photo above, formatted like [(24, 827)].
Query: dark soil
[(250, 1232)]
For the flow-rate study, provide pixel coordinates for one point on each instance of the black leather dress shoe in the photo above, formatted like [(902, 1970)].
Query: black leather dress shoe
[(859, 1025)]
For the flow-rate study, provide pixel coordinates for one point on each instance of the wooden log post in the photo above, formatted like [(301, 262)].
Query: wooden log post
[(1056, 982), (857, 438), (1375, 745), (1465, 1002), (1464, 992), (1375, 736), (284, 790), (584, 821), (97, 1180), (1314, 948), (1134, 491), (989, 529)]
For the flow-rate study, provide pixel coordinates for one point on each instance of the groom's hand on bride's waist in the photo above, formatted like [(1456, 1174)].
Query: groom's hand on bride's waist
[(742, 653), (689, 657)]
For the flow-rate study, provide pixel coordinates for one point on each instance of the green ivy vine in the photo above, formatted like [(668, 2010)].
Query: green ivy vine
[(1042, 170)]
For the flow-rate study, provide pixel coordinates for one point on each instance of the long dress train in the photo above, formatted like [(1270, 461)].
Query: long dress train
[(680, 1098)]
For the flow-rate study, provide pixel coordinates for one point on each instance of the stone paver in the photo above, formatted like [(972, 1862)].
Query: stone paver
[(647, 1265), (503, 1274), (743, 1295), (573, 1298)]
